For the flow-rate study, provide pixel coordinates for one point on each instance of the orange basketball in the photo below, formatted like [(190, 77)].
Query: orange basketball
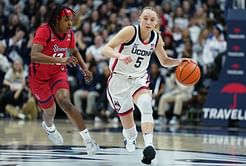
[(188, 73)]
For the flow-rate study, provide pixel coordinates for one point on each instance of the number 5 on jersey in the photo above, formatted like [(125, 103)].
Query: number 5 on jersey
[(138, 62)]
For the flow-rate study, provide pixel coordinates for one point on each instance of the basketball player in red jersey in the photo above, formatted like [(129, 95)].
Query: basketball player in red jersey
[(48, 74)]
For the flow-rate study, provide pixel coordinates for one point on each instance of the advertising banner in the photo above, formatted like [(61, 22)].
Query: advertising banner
[(226, 100)]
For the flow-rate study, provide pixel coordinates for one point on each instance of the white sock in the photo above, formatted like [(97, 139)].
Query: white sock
[(85, 135), (131, 133), (51, 128), (148, 139)]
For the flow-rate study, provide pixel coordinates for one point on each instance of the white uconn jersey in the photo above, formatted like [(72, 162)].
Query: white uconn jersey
[(140, 53)]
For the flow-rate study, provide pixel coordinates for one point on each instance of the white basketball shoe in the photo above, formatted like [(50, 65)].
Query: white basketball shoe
[(91, 147), (54, 136), (130, 145)]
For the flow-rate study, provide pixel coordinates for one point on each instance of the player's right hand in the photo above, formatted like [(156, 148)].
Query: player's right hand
[(125, 58)]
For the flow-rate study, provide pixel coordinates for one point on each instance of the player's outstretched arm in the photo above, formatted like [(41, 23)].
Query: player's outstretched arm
[(38, 57), (163, 57)]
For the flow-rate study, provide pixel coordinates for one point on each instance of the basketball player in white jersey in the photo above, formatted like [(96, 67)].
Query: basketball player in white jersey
[(130, 51)]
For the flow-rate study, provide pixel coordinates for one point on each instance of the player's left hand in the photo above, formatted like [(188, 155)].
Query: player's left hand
[(187, 60), (72, 61), (88, 76)]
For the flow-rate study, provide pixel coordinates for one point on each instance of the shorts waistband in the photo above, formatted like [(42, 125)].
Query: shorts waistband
[(123, 76), (127, 76)]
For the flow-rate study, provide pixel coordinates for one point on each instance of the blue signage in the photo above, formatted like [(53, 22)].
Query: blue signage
[(226, 100)]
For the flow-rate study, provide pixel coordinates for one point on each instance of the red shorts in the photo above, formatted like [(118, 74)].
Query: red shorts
[(44, 88)]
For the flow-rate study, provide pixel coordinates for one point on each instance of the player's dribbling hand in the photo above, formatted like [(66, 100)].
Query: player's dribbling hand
[(125, 58), (88, 76), (186, 59)]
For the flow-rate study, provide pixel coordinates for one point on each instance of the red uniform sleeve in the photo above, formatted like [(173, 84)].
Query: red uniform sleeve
[(41, 36), (72, 43)]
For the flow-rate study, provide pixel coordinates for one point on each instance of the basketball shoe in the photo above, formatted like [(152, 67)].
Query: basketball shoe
[(148, 154), (91, 147), (54, 136), (130, 145)]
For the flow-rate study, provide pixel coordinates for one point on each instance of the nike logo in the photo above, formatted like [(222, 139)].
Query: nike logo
[(53, 39)]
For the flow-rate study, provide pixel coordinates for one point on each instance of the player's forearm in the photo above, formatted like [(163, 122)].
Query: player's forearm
[(81, 62), (42, 58), (170, 62), (109, 52)]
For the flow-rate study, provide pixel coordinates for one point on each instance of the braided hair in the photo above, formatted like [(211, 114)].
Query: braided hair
[(56, 14)]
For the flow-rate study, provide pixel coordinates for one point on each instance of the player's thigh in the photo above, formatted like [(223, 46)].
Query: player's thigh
[(42, 93), (119, 95), (62, 97), (59, 81), (140, 85)]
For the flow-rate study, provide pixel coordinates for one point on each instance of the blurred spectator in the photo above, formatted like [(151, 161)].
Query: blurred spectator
[(87, 34), (31, 7), (13, 23), (214, 46), (156, 85), (194, 29), (39, 17), (166, 18), (82, 14), (80, 43), (179, 18), (24, 20), (200, 16), (4, 64), (16, 98), (89, 92), (96, 26), (169, 44), (188, 8), (9, 6), (15, 47), (213, 9), (112, 25), (3, 21), (199, 45), (177, 94), (134, 16), (94, 53)]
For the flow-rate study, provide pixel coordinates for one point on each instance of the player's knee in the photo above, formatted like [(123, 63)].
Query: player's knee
[(147, 118), (65, 104), (145, 106)]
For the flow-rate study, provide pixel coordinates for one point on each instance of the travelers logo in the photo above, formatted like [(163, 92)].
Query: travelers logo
[(234, 89)]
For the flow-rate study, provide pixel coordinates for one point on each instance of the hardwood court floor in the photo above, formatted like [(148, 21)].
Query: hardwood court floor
[(25, 143)]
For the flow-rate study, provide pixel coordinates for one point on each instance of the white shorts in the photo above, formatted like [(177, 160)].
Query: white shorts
[(120, 91)]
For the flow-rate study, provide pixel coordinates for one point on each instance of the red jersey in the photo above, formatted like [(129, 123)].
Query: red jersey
[(46, 79), (54, 45)]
